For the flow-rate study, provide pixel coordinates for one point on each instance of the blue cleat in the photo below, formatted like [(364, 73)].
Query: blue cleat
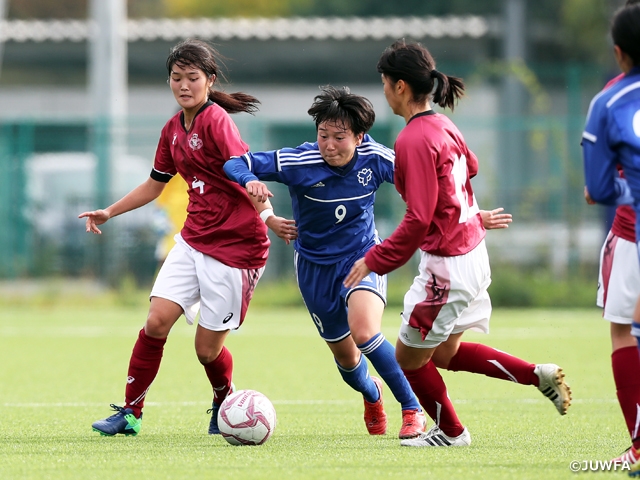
[(213, 411), (213, 424), (124, 422)]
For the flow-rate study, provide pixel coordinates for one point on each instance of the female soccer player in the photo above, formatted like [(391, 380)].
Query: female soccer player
[(220, 254), (433, 171), (332, 183), (610, 141)]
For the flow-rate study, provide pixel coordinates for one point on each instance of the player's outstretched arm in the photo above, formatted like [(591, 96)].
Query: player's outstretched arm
[(493, 219), (136, 198), (357, 273), (258, 190), (284, 228)]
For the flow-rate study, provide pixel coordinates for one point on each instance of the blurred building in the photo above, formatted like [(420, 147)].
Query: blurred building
[(47, 126)]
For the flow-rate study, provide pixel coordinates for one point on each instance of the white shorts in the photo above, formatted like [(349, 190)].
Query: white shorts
[(195, 281), (618, 279), (449, 296)]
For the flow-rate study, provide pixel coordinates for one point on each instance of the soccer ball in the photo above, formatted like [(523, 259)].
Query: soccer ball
[(246, 417)]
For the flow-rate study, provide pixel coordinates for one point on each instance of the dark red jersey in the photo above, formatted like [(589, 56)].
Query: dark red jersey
[(624, 223), (221, 221), (433, 175)]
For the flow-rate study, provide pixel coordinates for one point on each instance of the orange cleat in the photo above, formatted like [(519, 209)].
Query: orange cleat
[(375, 417), (413, 423)]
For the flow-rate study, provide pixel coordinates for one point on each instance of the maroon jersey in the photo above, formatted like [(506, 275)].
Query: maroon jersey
[(624, 222), (221, 220), (433, 172)]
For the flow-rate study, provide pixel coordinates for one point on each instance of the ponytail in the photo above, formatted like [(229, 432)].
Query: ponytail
[(203, 56), (234, 102), (412, 63), (448, 90)]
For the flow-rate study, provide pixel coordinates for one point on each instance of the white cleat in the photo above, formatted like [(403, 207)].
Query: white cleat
[(437, 438), (553, 386)]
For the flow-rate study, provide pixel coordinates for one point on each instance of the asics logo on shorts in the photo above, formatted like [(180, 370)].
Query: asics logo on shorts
[(227, 318), (438, 291)]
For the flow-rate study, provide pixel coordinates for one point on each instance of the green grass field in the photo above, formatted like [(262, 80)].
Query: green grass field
[(62, 366)]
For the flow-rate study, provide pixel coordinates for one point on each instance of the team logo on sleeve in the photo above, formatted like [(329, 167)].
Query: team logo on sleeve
[(364, 176), (195, 143)]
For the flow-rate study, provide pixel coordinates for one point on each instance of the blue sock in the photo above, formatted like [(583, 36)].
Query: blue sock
[(382, 356), (358, 378)]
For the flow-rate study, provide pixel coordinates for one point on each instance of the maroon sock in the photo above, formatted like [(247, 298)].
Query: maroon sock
[(143, 368), (219, 372), (626, 365), (429, 387), (478, 358)]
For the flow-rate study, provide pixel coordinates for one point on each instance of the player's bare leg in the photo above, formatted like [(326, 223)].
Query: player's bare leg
[(428, 385), (218, 365), (143, 368), (456, 355), (353, 368), (365, 310)]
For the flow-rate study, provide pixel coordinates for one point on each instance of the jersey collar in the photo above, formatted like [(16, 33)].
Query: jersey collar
[(421, 114), (348, 167), (208, 104)]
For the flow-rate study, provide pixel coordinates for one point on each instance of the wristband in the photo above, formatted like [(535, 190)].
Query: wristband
[(266, 214)]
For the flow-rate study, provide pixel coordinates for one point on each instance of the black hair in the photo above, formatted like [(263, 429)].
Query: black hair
[(625, 31), (201, 55), (412, 63), (346, 109)]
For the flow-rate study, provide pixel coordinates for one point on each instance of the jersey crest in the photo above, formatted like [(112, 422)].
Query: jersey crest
[(364, 176), (195, 142)]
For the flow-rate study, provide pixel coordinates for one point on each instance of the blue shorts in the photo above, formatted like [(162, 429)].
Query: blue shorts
[(326, 297)]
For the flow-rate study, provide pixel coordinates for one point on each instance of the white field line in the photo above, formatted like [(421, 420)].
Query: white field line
[(302, 402)]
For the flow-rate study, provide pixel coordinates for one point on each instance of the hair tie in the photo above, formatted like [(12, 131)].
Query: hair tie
[(434, 73)]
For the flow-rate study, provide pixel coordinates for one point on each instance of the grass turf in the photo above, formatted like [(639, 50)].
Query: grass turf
[(63, 365)]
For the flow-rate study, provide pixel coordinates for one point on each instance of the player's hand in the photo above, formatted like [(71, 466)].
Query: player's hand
[(587, 197), (492, 219), (357, 273), (283, 228), (258, 190), (95, 218)]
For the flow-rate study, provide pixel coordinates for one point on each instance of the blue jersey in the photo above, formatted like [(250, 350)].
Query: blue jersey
[(612, 138), (332, 206)]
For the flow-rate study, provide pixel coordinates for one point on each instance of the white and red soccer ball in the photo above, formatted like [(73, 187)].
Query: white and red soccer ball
[(246, 417)]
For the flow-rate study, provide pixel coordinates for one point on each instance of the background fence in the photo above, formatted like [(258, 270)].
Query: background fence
[(530, 164)]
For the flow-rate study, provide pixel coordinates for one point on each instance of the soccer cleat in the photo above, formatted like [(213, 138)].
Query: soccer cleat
[(437, 438), (124, 422), (375, 417), (631, 459), (215, 408), (413, 423), (553, 386)]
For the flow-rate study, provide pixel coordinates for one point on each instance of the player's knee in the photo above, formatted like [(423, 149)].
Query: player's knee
[(411, 361), (362, 336), (347, 361), (206, 354), (157, 326)]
